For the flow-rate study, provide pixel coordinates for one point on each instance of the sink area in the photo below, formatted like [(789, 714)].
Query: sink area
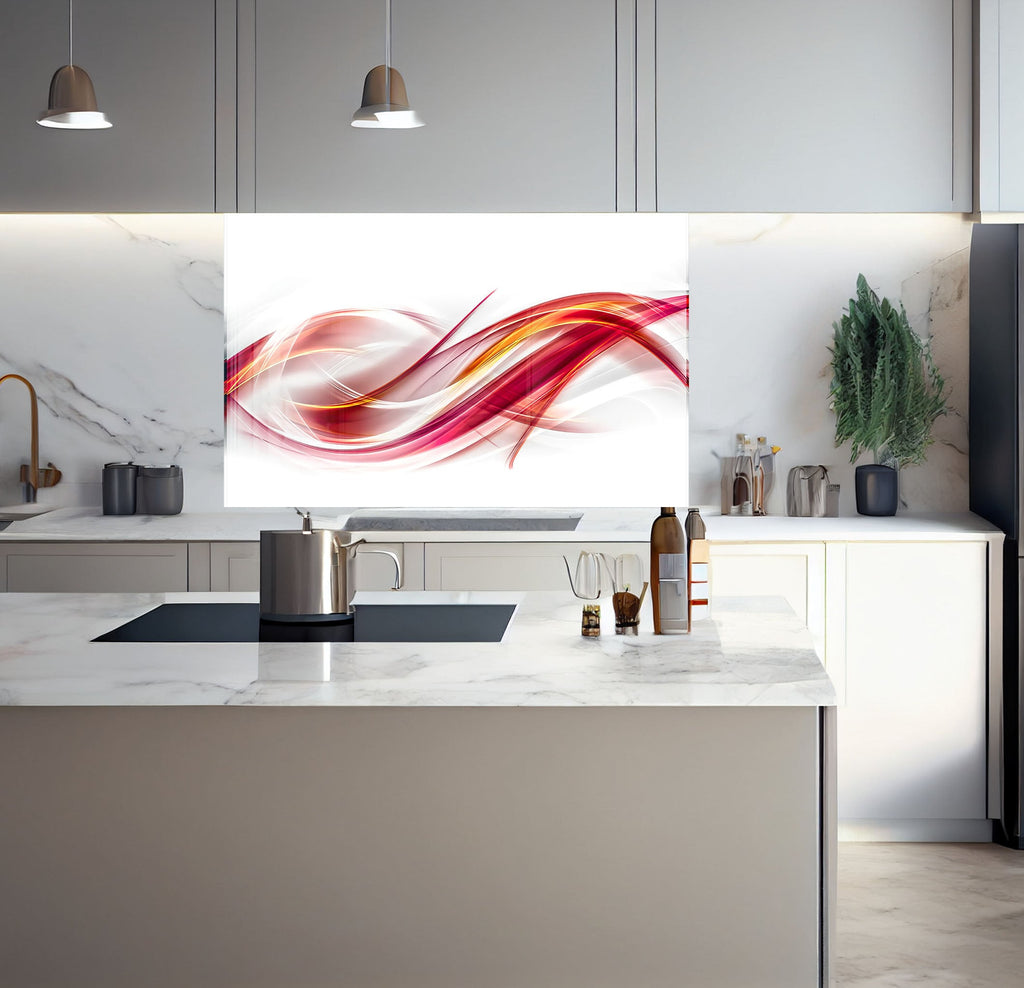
[(462, 520), (377, 618), (19, 512)]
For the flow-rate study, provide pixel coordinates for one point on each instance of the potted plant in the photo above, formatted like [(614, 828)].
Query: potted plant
[(886, 393)]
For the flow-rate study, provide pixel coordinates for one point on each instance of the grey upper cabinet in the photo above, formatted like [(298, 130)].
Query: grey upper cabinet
[(519, 101), (153, 68), (799, 105), (999, 107)]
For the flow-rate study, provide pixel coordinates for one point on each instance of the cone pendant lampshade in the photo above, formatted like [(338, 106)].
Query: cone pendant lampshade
[(384, 105), (72, 103)]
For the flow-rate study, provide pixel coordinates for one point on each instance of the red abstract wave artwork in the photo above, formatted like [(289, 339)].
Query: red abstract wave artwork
[(390, 387)]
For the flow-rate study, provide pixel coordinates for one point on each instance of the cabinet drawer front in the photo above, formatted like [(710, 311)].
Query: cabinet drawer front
[(513, 565), (94, 568), (236, 566)]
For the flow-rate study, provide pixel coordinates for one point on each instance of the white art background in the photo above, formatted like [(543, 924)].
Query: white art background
[(282, 269)]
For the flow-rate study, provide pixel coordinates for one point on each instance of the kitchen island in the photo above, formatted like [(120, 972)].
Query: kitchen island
[(546, 810)]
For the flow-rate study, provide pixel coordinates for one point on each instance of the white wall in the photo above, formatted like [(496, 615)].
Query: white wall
[(117, 320)]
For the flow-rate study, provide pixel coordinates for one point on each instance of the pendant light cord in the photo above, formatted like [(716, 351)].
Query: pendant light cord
[(387, 52), (71, 32)]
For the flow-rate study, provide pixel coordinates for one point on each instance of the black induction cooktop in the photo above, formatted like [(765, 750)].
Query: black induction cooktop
[(234, 622)]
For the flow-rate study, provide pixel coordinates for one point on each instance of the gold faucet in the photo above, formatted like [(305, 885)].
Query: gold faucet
[(30, 477)]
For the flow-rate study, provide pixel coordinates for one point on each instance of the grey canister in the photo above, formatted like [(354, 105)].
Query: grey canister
[(119, 481), (160, 490)]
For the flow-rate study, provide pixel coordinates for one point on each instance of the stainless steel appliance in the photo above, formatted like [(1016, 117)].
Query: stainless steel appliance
[(306, 574), (809, 494), (996, 424)]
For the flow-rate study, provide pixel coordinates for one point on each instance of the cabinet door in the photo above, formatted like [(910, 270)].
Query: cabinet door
[(518, 100), (512, 565), (153, 69), (235, 566), (912, 733), (799, 105), (1007, 140), (96, 567), (794, 571)]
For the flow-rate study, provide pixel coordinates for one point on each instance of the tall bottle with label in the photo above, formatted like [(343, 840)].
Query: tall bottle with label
[(668, 574), (743, 477), (759, 475)]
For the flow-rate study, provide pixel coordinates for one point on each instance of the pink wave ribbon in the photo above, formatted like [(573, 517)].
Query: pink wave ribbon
[(384, 386)]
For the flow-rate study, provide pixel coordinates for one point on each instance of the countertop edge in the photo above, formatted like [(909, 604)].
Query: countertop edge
[(69, 525)]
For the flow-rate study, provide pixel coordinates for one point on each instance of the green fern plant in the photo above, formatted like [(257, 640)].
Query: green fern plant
[(886, 391)]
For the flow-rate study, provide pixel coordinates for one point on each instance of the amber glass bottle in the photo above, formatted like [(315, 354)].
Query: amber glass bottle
[(668, 573)]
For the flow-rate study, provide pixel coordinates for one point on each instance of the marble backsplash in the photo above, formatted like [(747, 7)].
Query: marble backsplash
[(118, 321), (765, 290)]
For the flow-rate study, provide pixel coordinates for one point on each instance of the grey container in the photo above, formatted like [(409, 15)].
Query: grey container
[(159, 490), (119, 481)]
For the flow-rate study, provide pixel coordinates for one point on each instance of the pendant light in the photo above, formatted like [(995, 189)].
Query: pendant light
[(72, 104), (385, 103)]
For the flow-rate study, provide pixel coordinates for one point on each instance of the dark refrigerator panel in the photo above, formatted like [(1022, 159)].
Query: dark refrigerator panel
[(995, 397), (995, 418)]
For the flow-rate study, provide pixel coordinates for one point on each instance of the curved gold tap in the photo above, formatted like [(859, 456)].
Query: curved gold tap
[(51, 475)]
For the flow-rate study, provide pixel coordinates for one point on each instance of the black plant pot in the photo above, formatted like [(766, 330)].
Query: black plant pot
[(878, 489)]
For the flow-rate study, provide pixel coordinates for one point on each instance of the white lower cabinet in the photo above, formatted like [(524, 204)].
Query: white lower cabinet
[(512, 565), (902, 629), (912, 733), (792, 570)]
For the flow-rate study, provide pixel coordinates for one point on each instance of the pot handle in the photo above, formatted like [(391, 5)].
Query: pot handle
[(394, 558), (340, 546)]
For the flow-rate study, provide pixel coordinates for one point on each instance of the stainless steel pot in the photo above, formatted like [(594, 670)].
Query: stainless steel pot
[(305, 574)]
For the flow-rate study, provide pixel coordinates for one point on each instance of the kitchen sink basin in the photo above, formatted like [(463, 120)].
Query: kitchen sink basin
[(19, 512), (240, 622), (462, 520)]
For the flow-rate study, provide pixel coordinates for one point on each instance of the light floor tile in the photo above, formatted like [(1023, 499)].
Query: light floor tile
[(942, 915)]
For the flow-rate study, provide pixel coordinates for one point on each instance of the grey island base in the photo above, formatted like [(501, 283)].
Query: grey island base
[(322, 841)]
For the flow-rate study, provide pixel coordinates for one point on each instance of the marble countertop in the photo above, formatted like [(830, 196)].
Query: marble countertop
[(596, 525), (753, 652)]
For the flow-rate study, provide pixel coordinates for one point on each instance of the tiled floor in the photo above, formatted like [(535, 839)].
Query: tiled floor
[(941, 915)]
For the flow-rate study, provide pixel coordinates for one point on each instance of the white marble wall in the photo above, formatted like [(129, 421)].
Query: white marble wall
[(118, 322)]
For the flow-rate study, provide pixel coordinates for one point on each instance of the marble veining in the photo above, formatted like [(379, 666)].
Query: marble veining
[(745, 656), (119, 326), (937, 304)]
